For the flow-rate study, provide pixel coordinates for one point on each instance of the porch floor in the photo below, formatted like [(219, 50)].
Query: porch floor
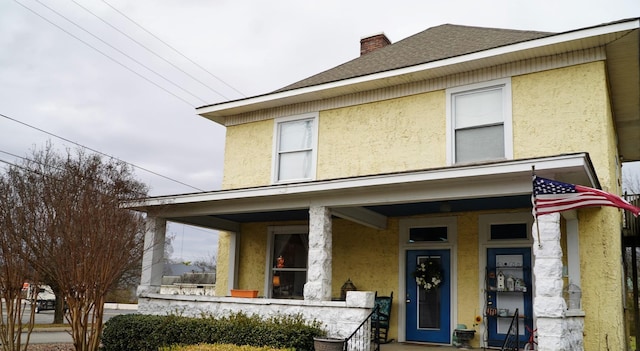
[(406, 346)]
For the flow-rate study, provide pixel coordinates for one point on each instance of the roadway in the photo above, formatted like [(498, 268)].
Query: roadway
[(61, 334)]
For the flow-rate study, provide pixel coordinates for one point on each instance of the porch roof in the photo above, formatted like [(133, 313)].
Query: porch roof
[(369, 200)]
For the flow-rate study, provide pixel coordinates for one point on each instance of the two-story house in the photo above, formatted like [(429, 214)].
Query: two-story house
[(421, 151)]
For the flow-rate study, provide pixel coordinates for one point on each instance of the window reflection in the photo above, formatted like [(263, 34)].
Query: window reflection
[(289, 265)]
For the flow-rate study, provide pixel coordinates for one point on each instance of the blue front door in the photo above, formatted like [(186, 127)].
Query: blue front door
[(512, 264), (428, 317)]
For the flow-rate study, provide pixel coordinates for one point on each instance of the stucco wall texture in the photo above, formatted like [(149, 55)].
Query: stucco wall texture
[(247, 158), (557, 111), (399, 134)]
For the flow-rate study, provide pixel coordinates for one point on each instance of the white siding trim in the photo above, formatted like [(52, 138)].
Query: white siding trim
[(438, 83)]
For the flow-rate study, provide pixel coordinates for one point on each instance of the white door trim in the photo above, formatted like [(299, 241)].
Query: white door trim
[(485, 242), (405, 245)]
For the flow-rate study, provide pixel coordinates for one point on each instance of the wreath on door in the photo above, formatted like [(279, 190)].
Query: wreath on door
[(428, 274)]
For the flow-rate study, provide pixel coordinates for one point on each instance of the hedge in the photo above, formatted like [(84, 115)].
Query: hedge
[(134, 332), (220, 347)]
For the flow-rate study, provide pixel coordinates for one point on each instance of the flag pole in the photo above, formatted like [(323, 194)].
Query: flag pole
[(533, 198)]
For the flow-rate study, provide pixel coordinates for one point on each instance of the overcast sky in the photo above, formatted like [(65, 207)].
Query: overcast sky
[(76, 69)]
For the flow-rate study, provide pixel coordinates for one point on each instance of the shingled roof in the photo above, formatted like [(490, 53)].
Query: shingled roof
[(433, 44)]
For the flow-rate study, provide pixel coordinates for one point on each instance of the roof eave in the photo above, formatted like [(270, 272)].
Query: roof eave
[(562, 42)]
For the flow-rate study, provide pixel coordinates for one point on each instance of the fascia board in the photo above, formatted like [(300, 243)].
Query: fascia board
[(550, 165), (219, 111)]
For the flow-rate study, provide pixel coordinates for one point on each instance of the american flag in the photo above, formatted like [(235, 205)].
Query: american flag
[(551, 196)]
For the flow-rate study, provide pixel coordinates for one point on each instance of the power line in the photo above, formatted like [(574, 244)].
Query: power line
[(175, 50), (99, 152), (104, 54), (121, 52), (149, 50)]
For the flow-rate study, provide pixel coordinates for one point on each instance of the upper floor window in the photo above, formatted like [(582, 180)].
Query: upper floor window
[(295, 148), (479, 122)]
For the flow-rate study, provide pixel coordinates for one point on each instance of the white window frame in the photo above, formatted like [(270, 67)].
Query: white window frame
[(272, 232), (276, 141), (505, 84)]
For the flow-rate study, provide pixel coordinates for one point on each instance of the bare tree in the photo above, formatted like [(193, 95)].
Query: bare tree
[(631, 178), (14, 272), (83, 241), (206, 264)]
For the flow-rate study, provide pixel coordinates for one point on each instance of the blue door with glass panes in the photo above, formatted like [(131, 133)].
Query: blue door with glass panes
[(428, 317), (508, 289)]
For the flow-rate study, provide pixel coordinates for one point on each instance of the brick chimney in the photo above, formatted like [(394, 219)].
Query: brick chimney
[(373, 42)]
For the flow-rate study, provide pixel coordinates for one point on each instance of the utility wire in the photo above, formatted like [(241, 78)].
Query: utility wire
[(120, 51), (174, 49), (149, 50), (104, 54), (99, 152)]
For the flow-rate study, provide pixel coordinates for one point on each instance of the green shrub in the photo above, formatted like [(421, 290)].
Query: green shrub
[(135, 332), (220, 347)]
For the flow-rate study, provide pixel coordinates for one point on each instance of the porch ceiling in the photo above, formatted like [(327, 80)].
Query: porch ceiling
[(395, 210), (370, 200)]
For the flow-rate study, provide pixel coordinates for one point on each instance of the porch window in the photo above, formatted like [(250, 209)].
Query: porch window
[(428, 234), (288, 258), (508, 231), (295, 148), (479, 119)]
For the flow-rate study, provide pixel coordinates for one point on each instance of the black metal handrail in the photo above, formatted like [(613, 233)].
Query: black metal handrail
[(361, 338), (511, 341)]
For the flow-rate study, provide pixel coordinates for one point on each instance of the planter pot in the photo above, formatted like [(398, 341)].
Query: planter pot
[(328, 344), (244, 293)]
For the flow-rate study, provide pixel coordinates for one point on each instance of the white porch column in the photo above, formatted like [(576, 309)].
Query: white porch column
[(153, 256), (549, 306), (318, 286)]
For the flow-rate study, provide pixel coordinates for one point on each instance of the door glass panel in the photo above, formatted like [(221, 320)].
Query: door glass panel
[(508, 231), (508, 286), (510, 298), (429, 301)]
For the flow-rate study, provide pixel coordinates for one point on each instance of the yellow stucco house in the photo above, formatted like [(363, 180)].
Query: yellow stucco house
[(421, 151)]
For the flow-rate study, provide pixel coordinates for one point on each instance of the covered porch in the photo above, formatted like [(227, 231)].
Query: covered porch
[(329, 210)]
